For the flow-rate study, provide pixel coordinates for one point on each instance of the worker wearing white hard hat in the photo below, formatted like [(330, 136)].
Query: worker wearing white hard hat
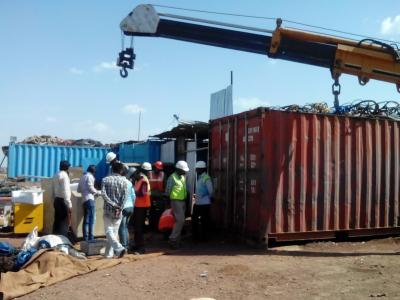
[(182, 165), (146, 166), (110, 157), (202, 206), (177, 191), (142, 205), (201, 165)]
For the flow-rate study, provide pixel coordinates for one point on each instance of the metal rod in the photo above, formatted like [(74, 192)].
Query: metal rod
[(245, 174), (198, 20), (220, 167), (197, 149), (140, 115), (194, 178), (33, 176), (235, 173), (4, 157), (227, 179)]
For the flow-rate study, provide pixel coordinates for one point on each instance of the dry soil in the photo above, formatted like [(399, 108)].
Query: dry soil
[(323, 270)]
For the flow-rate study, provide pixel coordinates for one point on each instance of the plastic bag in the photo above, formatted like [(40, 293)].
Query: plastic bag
[(68, 249), (6, 249), (31, 240), (24, 256), (52, 241)]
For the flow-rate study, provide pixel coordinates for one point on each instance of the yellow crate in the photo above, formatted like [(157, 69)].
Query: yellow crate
[(27, 216)]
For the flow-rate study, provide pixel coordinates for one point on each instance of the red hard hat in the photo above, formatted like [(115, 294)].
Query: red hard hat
[(158, 165)]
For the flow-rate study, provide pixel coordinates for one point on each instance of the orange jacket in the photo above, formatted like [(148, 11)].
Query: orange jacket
[(142, 193)]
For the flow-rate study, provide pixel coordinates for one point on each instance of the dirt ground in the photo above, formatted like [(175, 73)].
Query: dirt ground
[(219, 270)]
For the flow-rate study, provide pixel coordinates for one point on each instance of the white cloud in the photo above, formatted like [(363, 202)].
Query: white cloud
[(242, 104), (50, 119), (101, 127), (76, 71), (90, 126), (105, 66), (133, 109), (391, 26)]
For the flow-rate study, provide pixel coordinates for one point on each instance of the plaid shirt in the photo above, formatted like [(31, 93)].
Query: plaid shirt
[(114, 190)]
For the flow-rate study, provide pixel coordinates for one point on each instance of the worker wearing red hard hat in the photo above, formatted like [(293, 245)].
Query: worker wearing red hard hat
[(158, 201)]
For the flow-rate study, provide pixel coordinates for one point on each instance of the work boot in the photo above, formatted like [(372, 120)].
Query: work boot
[(121, 253), (138, 250), (173, 244)]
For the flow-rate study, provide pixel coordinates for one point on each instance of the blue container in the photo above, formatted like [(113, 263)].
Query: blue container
[(149, 151), (43, 160)]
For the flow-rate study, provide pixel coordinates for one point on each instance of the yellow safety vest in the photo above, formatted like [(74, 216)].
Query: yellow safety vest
[(178, 191)]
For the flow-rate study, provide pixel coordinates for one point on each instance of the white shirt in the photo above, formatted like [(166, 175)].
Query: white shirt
[(86, 187), (62, 187)]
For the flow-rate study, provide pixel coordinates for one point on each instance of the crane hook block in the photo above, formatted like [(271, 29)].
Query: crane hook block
[(123, 72), (126, 61)]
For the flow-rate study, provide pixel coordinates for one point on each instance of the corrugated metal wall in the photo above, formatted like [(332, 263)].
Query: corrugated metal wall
[(285, 173), (43, 160), (168, 152), (149, 151)]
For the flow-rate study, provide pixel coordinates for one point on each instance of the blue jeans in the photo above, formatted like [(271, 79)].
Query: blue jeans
[(89, 217), (123, 227)]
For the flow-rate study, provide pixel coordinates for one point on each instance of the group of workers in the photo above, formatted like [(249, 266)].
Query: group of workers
[(130, 192)]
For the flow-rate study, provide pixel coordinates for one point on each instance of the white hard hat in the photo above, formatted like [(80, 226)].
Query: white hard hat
[(201, 165), (110, 157), (182, 165), (146, 166)]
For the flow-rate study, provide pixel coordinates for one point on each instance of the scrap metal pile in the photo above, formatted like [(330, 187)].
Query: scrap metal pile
[(361, 108), (50, 140)]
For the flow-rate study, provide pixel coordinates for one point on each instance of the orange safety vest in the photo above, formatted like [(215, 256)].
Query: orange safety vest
[(142, 201), (157, 181)]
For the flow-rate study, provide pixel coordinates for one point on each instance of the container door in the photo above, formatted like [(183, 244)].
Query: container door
[(221, 174), (248, 177)]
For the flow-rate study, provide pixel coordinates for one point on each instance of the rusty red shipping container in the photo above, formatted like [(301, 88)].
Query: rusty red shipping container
[(289, 176)]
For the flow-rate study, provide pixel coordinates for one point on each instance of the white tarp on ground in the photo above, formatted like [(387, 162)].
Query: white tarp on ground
[(221, 103)]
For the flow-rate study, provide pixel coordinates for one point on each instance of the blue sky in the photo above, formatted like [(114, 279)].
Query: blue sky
[(57, 75)]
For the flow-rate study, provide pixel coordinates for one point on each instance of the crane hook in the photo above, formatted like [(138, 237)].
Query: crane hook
[(123, 72)]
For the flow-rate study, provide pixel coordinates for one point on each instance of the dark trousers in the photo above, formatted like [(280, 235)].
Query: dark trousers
[(201, 222), (61, 224), (158, 205), (89, 217), (139, 217)]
